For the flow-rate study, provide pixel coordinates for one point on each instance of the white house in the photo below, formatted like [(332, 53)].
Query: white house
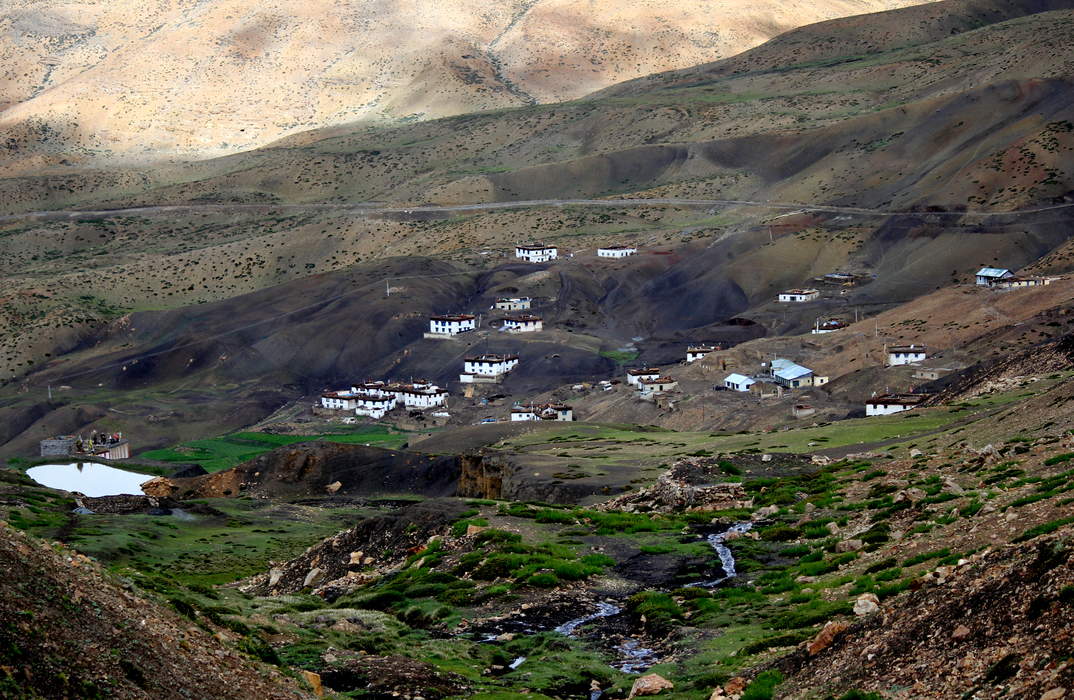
[(616, 251), (1021, 282), (513, 304), (650, 386), (537, 253), (341, 400), (906, 355), (696, 352), (522, 323), (543, 411), (794, 376), (987, 276), (633, 376), (799, 295), (829, 326), (488, 367), (450, 325), (738, 382), (418, 394), (374, 406), (886, 404)]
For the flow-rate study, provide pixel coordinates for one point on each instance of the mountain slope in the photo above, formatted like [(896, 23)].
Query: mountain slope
[(228, 75)]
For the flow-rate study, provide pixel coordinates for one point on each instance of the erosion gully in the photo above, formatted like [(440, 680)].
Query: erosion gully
[(631, 655)]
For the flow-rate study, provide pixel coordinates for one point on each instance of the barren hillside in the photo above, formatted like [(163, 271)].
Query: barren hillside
[(129, 80)]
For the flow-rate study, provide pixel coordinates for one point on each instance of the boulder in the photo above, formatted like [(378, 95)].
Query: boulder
[(820, 460), (356, 558), (914, 452), (315, 576), (735, 686), (160, 488), (961, 632), (866, 604), (951, 486), (472, 530), (274, 577), (826, 637), (334, 487), (650, 684), (849, 546), (832, 528), (1054, 694), (314, 679)]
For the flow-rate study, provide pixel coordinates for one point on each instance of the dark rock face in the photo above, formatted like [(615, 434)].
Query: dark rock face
[(374, 542), (392, 676)]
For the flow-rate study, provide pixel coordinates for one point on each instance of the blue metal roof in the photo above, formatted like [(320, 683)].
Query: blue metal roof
[(993, 272), (785, 369)]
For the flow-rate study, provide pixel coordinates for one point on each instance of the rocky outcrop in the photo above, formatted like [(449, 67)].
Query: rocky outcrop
[(367, 551), (690, 485), (390, 676), (319, 468)]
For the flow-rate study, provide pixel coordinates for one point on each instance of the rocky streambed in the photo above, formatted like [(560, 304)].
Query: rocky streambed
[(606, 622)]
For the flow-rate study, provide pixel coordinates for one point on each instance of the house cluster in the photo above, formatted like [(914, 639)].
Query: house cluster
[(1002, 278), (376, 399), (513, 304), (798, 296), (487, 368), (542, 411), (100, 445), (782, 373), (649, 383)]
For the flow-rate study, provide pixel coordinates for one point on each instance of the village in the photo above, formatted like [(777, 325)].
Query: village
[(713, 375)]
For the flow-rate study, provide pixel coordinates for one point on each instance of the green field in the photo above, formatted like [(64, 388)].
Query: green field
[(216, 454)]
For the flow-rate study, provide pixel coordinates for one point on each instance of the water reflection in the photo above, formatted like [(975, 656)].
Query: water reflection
[(89, 478)]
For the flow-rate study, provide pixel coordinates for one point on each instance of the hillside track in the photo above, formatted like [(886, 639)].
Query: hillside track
[(377, 209)]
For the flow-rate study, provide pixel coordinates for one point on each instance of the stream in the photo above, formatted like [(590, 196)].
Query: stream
[(633, 657)]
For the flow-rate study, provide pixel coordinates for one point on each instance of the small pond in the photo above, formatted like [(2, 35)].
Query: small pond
[(89, 478)]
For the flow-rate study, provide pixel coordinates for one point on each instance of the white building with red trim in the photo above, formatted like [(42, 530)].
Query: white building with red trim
[(487, 367), (523, 323), (542, 411), (450, 325), (536, 253)]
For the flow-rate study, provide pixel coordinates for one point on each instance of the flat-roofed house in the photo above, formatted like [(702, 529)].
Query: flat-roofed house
[(487, 367), (536, 253), (906, 354), (616, 251), (633, 376), (523, 323), (886, 404), (513, 304), (696, 352), (798, 296), (450, 325), (651, 386), (374, 406)]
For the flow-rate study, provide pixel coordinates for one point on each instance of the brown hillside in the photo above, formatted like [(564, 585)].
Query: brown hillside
[(69, 630)]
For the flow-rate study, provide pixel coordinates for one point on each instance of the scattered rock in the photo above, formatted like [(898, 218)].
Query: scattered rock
[(314, 679), (832, 528), (826, 637), (735, 686), (961, 632), (274, 577), (849, 546), (766, 512), (650, 684), (1054, 694), (472, 530), (356, 558), (314, 577), (820, 460), (951, 486), (866, 604)]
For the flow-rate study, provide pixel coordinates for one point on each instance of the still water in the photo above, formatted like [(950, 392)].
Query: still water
[(89, 478)]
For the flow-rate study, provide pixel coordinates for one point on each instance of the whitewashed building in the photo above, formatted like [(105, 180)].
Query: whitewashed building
[(988, 276), (696, 352), (542, 411), (799, 295), (537, 253), (373, 406), (633, 376), (1023, 282), (906, 355), (488, 367), (450, 325), (650, 386), (419, 395), (616, 251), (886, 404), (513, 304), (341, 400), (523, 323), (738, 382)]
